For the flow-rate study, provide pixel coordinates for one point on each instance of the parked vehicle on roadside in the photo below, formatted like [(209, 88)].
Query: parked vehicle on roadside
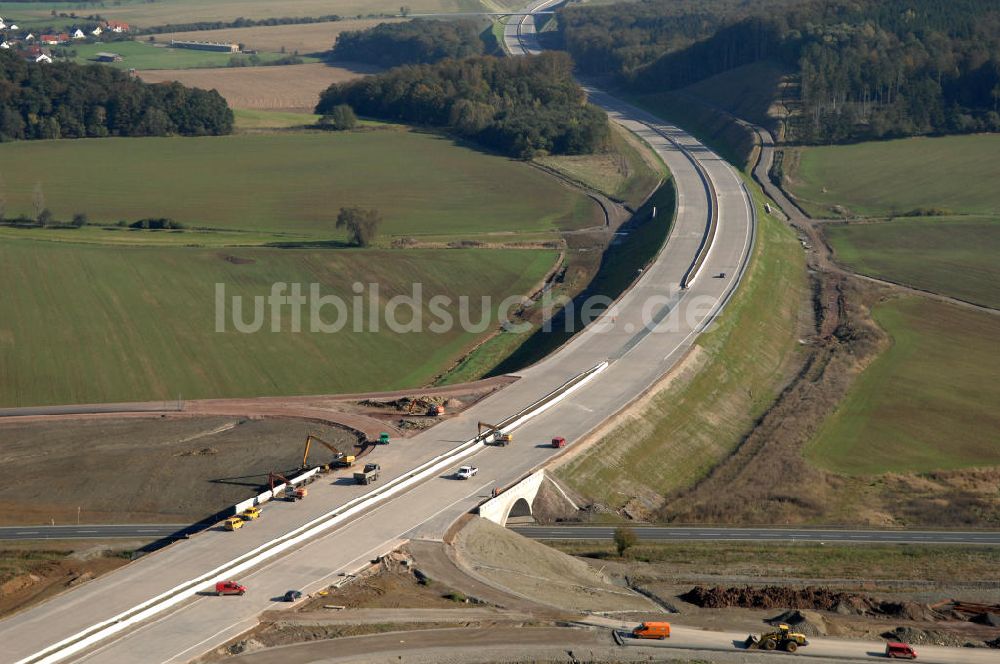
[(292, 595), (251, 513), (234, 523)]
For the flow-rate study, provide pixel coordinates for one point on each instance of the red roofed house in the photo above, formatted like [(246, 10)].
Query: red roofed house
[(52, 40), (116, 26)]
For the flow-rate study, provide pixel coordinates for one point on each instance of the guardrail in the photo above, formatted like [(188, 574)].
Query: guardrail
[(107, 628)]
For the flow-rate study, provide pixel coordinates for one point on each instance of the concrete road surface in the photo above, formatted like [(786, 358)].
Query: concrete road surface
[(653, 327), (721, 534)]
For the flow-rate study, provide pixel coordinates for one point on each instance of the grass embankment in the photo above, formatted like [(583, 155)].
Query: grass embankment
[(627, 172), (954, 173), (142, 55), (616, 270), (927, 403), (955, 256), (947, 564), (92, 324), (689, 425), (291, 183), (712, 127)]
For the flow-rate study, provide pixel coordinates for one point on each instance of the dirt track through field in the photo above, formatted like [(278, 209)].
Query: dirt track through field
[(285, 88)]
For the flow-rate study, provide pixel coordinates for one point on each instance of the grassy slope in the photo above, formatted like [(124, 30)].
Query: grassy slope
[(108, 324), (689, 426), (254, 119), (139, 55), (622, 172), (955, 256), (957, 173), (946, 564), (927, 403), (748, 91), (290, 183)]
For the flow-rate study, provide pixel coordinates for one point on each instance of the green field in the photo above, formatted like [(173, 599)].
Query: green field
[(955, 173), (955, 256), (92, 323), (689, 426), (253, 119), (142, 55), (927, 403), (143, 13), (291, 183)]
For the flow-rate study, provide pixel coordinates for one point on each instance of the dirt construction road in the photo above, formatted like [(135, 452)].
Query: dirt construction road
[(569, 644)]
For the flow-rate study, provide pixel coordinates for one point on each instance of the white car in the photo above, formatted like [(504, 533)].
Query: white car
[(466, 472)]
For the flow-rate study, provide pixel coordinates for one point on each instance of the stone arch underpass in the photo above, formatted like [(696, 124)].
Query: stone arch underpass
[(516, 500)]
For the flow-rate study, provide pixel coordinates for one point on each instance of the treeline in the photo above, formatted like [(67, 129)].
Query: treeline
[(67, 100), (237, 23), (866, 68), (414, 42), (518, 106)]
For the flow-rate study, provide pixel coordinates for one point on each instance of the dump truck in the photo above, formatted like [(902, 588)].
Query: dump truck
[(494, 436), (229, 588), (292, 493), (369, 475), (234, 523), (782, 638)]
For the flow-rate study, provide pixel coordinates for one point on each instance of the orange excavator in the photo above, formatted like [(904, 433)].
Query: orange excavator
[(291, 493), (340, 459)]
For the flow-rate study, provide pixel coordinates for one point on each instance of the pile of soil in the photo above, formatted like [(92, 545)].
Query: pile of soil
[(809, 623), (810, 597), (917, 636), (417, 405)]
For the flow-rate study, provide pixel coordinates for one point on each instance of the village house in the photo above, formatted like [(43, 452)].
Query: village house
[(116, 26), (53, 40), (78, 34)]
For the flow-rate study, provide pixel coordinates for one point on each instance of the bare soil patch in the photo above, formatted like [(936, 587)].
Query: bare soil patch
[(287, 88), (142, 470)]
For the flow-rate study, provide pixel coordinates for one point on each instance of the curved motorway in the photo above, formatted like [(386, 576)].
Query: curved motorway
[(652, 327)]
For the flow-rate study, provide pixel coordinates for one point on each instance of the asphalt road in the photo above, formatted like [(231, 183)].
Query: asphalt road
[(131, 531), (680, 534), (572, 532), (651, 329)]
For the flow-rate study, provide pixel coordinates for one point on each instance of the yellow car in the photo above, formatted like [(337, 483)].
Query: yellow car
[(234, 523), (251, 513)]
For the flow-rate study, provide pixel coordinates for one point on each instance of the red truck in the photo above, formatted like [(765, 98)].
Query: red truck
[(229, 588)]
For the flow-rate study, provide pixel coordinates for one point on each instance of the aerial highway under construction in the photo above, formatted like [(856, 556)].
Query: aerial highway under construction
[(156, 608)]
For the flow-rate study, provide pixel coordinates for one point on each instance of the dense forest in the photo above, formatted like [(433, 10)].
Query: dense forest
[(518, 106), (67, 100), (866, 68), (413, 42)]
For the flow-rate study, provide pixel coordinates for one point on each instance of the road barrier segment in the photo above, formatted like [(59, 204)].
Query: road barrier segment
[(122, 621)]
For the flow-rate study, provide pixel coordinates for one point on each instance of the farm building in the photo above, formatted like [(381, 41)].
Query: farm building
[(206, 46), (108, 57)]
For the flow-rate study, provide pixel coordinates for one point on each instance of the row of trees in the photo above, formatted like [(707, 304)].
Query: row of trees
[(66, 100), (413, 42), (518, 106), (866, 68), (237, 23)]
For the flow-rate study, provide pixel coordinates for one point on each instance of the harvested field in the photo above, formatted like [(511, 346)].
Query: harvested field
[(179, 469), (292, 87), (309, 38)]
